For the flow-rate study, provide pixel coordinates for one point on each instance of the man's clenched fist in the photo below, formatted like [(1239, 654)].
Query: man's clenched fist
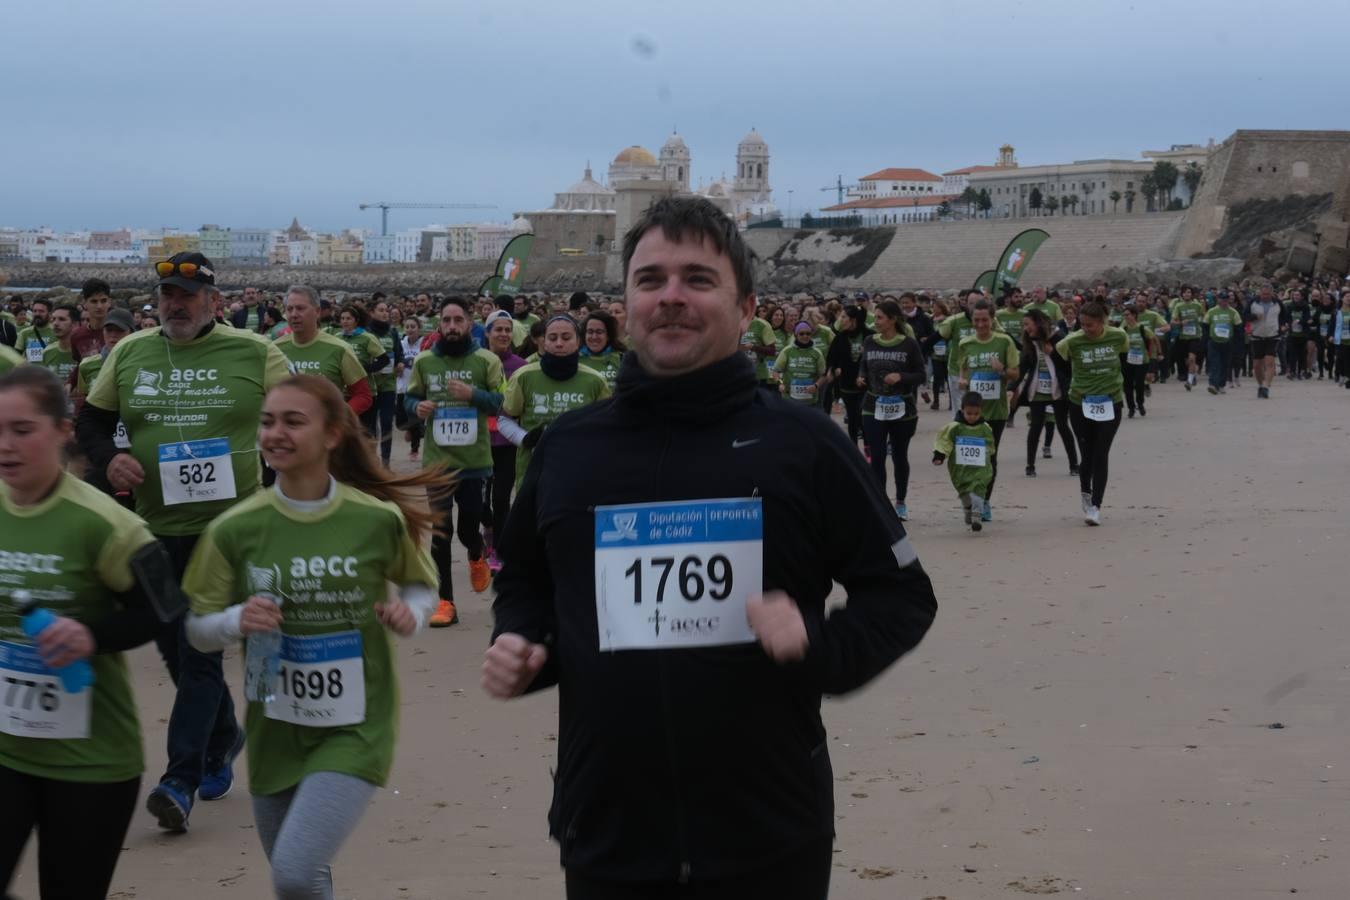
[(777, 622), (510, 664)]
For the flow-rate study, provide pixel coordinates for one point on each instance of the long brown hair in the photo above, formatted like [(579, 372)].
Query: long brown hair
[(354, 462)]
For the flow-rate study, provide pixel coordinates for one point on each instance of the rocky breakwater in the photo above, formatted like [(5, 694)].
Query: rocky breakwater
[(557, 274)]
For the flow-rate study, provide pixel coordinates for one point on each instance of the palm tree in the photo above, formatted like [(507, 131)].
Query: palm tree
[(1088, 188), (1191, 175), (1129, 201), (1052, 203), (1149, 188), (1115, 199), (1165, 177), (1035, 200)]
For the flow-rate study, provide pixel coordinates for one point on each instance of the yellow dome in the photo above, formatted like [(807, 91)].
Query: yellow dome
[(634, 156)]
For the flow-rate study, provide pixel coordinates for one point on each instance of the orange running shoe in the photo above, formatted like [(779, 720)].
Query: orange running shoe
[(479, 575), (444, 616)]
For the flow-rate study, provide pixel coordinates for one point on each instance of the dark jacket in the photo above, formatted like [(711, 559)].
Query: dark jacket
[(841, 357), (1025, 388), (905, 359), (703, 763)]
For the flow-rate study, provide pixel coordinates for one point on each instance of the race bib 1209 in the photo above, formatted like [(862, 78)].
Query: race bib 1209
[(33, 703), (671, 575), (971, 451)]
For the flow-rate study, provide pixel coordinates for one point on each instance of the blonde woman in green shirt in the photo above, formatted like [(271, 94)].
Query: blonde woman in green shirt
[(70, 761), (1096, 390), (314, 557)]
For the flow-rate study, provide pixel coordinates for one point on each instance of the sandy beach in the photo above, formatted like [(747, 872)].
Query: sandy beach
[(1093, 713)]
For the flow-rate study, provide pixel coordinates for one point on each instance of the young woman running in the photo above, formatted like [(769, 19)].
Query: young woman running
[(1134, 361), (70, 762), (1044, 388), (845, 352), (935, 349), (500, 329), (603, 350), (1096, 390), (891, 369), (314, 557)]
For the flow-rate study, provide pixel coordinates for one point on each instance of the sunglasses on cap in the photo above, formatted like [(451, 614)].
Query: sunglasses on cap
[(186, 269)]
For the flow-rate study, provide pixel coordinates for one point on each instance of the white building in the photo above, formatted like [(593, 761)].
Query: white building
[(491, 240), (1082, 188), (304, 252), (406, 245), (249, 245), (897, 183), (378, 248), (461, 241)]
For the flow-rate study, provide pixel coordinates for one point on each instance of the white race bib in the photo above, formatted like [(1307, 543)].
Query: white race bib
[(670, 575), (971, 451), (1322, 329), (196, 471), (34, 352), (1135, 356), (1222, 330), (455, 426), (801, 390), (1044, 385), (1189, 329), (889, 409), (1099, 408), (939, 350), (120, 438), (33, 704), (989, 385), (321, 682)]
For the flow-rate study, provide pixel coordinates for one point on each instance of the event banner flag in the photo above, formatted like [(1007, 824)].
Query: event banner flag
[(985, 282), (510, 268), (1012, 265)]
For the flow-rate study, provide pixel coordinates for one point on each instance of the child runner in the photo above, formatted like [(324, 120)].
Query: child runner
[(967, 445)]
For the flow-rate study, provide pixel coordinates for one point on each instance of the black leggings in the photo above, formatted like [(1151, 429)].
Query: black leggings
[(1094, 444), (80, 831), (1298, 354), (1134, 383), (898, 433), (805, 875), (497, 497), (853, 416), (993, 463), (1061, 408), (468, 496), (940, 381), (1343, 360)]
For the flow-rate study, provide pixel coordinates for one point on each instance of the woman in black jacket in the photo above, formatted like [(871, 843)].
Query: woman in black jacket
[(1044, 383), (842, 361)]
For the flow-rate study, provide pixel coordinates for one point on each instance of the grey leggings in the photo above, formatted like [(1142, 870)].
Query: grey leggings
[(302, 828)]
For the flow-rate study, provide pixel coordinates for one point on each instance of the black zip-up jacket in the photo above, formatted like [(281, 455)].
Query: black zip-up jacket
[(841, 357), (704, 763)]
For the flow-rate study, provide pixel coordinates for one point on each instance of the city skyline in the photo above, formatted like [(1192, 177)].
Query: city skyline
[(312, 110)]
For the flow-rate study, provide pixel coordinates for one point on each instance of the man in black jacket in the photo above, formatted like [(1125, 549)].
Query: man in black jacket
[(676, 594)]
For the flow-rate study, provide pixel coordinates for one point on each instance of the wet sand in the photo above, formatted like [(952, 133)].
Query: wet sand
[(1089, 715)]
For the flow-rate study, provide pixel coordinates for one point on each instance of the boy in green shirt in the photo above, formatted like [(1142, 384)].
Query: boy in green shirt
[(967, 446)]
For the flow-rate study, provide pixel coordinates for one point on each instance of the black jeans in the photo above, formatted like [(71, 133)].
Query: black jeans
[(409, 424), (468, 496), (805, 875), (202, 727), (1135, 379), (80, 831), (1094, 445), (497, 496), (898, 434), (853, 414), (1298, 354), (940, 380), (1061, 408)]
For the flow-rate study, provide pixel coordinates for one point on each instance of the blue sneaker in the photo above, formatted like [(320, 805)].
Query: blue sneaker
[(902, 511), (987, 514), (217, 783), (171, 803)]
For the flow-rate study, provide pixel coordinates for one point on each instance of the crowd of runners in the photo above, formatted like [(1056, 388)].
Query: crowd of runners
[(210, 469)]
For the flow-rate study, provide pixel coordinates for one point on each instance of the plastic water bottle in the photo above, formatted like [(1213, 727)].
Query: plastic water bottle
[(262, 661), (76, 676)]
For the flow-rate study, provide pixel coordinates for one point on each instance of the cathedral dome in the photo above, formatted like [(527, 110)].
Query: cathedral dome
[(753, 140), (674, 142), (588, 185), (634, 156)]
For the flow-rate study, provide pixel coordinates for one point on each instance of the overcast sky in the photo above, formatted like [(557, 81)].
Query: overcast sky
[(153, 113)]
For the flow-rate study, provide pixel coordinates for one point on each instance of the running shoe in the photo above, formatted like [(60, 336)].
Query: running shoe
[(480, 576), (1087, 502), (494, 564), (1144, 412), (1131, 415), (217, 783), (987, 513), (1213, 390), (1073, 470), (1094, 516), (444, 616), (902, 511), (1263, 393), (1031, 471), (1186, 385), (975, 523), (171, 804), (1046, 454)]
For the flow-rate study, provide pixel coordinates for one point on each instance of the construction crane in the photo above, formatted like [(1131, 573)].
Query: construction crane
[(385, 207), (840, 187)]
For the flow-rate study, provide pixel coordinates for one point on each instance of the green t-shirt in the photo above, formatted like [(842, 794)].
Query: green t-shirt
[(533, 399), (1296, 319), (325, 355), (974, 359), (96, 539), (1141, 338), (1096, 364), (1223, 323), (956, 328), (759, 332), (1010, 320), (1049, 308), (1156, 321), (366, 347), (780, 338), (32, 341), (58, 361), (800, 368), (607, 364), (87, 372), (9, 359), (966, 478), (461, 440), (1187, 315), (329, 567), (1326, 320), (204, 390), (821, 340), (386, 379)]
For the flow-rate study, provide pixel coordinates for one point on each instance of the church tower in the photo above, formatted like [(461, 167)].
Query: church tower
[(752, 169), (675, 162)]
